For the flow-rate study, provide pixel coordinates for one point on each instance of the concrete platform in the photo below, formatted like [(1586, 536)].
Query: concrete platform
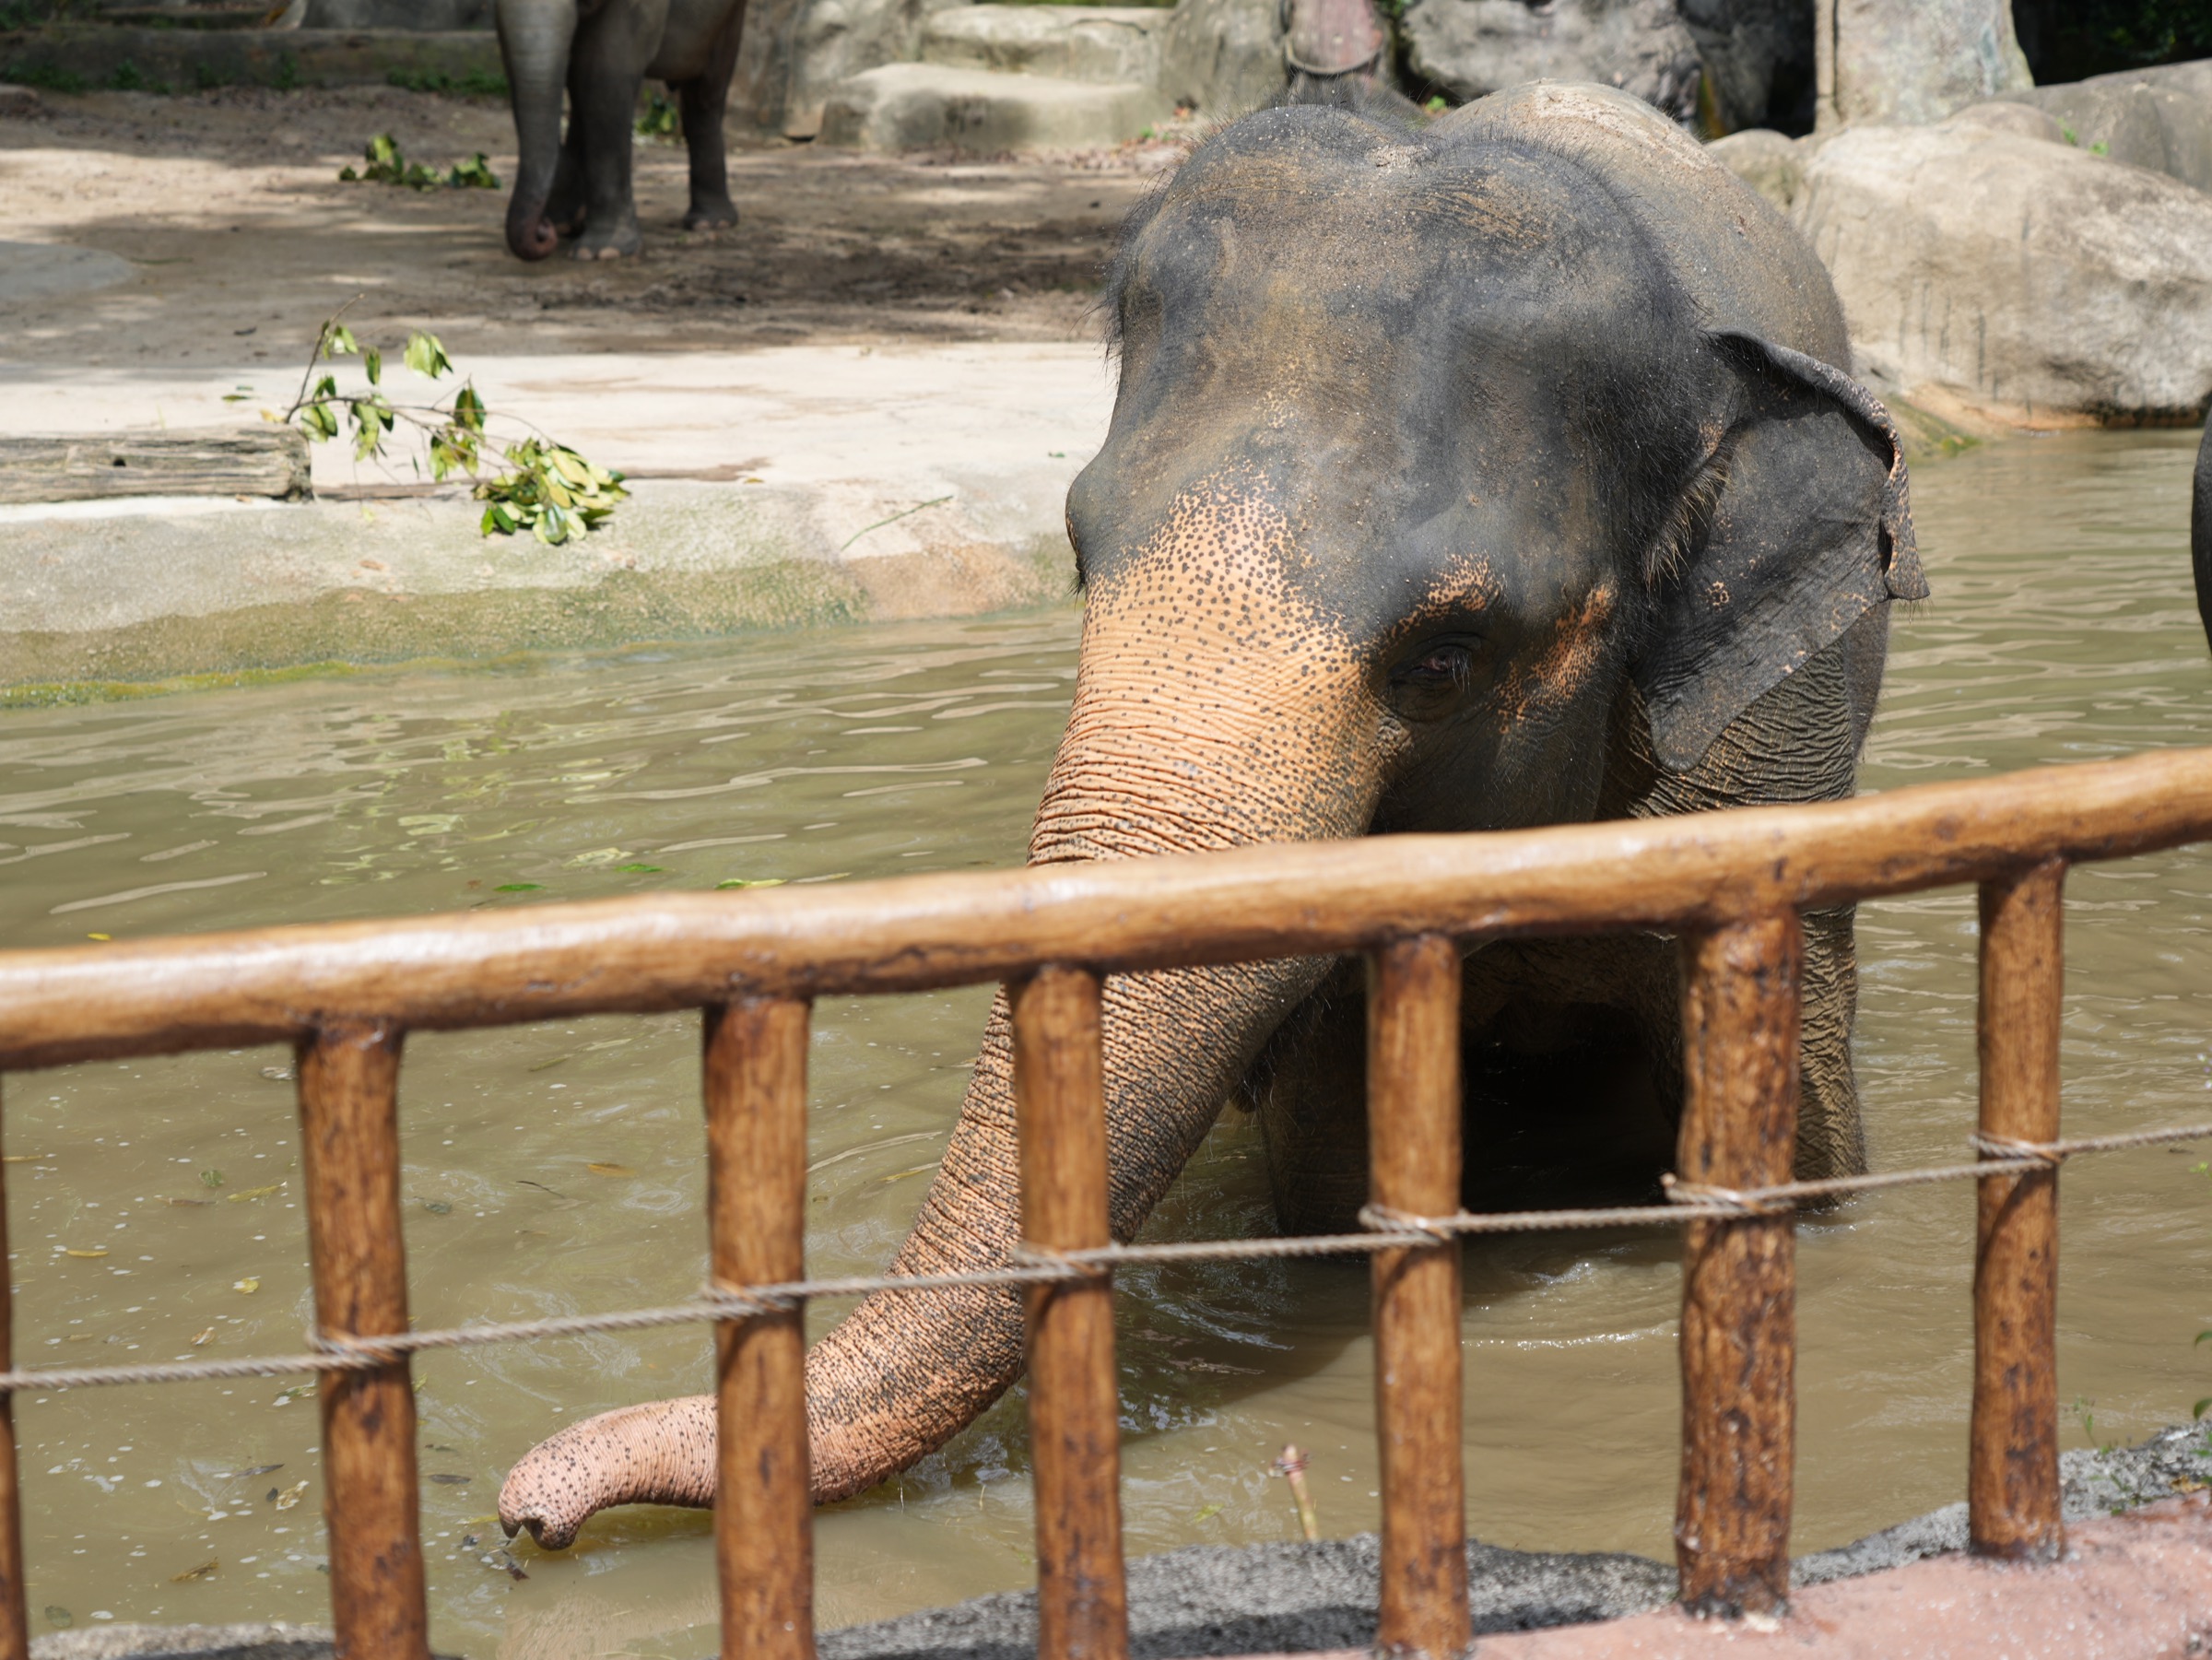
[(770, 488), (939, 106), (1102, 44)]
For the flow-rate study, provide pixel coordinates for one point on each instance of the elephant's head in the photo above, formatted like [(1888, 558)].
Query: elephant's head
[(1448, 464)]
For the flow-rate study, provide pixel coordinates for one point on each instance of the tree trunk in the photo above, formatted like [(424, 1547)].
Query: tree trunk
[(1911, 62)]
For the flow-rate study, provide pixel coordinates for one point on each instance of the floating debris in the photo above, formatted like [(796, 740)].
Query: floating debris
[(95, 1251), (248, 1285), (289, 1497), (610, 1170), (206, 1570), (1291, 1467), (444, 1479)]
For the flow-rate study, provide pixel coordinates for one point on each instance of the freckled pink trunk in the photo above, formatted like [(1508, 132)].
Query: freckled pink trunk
[(1167, 752)]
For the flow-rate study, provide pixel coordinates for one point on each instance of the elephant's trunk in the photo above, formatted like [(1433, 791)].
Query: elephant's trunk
[(1208, 713), (533, 42)]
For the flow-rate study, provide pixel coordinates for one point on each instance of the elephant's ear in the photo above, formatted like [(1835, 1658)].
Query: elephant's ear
[(1799, 524)]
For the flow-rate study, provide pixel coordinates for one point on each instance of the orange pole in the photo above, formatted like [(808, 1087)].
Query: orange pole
[(756, 1102), (1074, 1421), (1413, 1123)]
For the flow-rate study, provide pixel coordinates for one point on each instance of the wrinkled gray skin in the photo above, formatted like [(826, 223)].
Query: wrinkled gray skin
[(599, 52), (1465, 475)]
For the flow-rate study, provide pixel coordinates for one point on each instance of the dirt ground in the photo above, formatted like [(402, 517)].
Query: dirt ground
[(229, 206)]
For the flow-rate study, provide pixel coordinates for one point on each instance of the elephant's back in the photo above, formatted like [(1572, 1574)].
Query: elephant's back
[(1744, 267)]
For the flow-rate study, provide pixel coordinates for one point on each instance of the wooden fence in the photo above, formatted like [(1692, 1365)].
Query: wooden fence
[(1730, 884)]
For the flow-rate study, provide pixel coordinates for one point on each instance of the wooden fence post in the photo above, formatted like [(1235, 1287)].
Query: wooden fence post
[(349, 1147), (1075, 1414), (756, 1104), (2012, 1480), (15, 1630), (1413, 1119), (1739, 1292)]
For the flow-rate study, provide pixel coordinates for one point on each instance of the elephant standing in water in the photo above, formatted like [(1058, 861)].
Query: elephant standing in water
[(599, 52), (1491, 472)]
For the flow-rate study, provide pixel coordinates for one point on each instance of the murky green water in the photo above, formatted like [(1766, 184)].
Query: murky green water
[(557, 1169)]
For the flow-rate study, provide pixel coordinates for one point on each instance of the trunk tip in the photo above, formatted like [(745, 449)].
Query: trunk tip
[(532, 238)]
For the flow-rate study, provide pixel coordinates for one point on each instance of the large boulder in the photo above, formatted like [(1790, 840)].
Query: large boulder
[(2159, 118), (1470, 48), (1758, 60), (2036, 283), (1911, 61), (1769, 162), (1223, 57), (794, 51)]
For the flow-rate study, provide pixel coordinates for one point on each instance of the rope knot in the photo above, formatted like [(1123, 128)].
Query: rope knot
[(1733, 1201), (1388, 1218), (1057, 1265), (2043, 1153)]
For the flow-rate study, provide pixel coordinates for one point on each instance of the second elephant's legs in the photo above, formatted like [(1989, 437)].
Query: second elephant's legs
[(607, 69), (705, 99)]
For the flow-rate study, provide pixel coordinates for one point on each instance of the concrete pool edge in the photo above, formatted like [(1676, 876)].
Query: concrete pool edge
[(150, 600), (1293, 1598)]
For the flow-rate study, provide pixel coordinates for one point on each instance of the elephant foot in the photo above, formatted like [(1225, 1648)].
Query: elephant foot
[(711, 215), (606, 251)]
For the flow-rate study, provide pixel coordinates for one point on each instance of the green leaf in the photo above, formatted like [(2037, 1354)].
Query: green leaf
[(468, 409), (518, 887), (211, 1178), (2202, 1337), (2198, 1410), (497, 521), (425, 356), (641, 869), (751, 882), (339, 342), (373, 361)]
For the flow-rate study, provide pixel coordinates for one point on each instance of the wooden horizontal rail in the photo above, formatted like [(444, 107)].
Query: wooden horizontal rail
[(908, 933)]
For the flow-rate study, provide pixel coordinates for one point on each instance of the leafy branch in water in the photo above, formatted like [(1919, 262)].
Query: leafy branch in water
[(388, 165), (545, 487)]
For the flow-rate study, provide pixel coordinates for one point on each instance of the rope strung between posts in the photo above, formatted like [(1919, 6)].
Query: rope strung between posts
[(1386, 1230)]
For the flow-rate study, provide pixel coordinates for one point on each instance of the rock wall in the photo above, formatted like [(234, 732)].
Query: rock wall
[(1916, 60), (2159, 118), (1470, 48), (1986, 270), (1223, 57)]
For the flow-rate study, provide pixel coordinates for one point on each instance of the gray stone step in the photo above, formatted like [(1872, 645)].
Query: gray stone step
[(936, 106), (1102, 44)]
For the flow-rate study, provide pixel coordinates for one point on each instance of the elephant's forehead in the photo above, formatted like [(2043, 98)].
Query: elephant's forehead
[(1380, 224)]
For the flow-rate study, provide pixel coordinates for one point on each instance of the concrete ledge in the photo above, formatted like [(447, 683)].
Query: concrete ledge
[(104, 607), (1097, 43), (934, 106), (811, 486)]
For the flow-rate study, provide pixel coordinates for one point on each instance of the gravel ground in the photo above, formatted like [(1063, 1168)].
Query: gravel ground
[(1292, 1598)]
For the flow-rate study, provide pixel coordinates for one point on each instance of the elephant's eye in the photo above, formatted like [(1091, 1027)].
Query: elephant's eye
[(1431, 684)]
